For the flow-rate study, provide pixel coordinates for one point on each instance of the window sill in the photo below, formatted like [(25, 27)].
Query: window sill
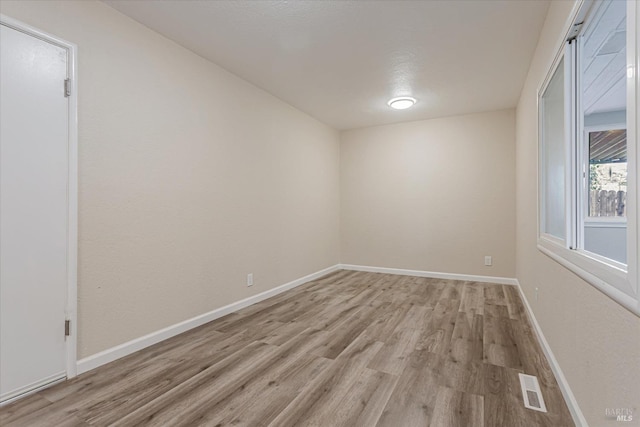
[(605, 222), (610, 280)]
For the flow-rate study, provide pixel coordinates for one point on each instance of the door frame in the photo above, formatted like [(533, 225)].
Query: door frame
[(71, 312)]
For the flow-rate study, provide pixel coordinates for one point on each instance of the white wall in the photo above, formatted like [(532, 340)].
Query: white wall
[(595, 340), (190, 178), (435, 195)]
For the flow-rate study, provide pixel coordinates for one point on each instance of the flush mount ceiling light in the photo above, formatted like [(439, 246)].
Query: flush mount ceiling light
[(401, 103)]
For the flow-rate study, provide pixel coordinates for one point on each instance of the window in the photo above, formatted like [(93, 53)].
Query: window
[(587, 110), (552, 110), (605, 222), (607, 186)]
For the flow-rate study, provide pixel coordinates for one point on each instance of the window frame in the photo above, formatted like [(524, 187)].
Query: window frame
[(560, 59), (610, 277)]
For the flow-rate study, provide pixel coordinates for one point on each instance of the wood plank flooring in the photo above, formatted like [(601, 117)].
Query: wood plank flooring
[(349, 349)]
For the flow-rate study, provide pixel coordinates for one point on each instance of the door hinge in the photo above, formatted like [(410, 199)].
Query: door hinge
[(67, 88), (67, 328)]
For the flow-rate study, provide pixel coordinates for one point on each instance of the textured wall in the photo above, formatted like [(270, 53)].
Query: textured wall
[(595, 340), (190, 178), (434, 195)]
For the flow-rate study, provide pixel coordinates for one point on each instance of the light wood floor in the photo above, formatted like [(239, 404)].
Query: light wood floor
[(349, 349)]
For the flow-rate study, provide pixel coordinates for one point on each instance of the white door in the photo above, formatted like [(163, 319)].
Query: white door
[(34, 170)]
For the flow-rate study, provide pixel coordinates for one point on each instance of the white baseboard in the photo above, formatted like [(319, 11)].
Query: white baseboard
[(570, 399), (114, 353), (32, 388), (432, 274), (119, 351)]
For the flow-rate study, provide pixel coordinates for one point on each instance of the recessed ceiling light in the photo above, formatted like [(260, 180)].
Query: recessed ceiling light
[(401, 103)]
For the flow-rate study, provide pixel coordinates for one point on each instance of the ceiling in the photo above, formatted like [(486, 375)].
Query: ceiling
[(604, 64), (608, 146), (341, 61)]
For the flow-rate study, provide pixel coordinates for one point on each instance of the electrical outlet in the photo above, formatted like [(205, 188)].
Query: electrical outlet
[(488, 261), (250, 279)]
